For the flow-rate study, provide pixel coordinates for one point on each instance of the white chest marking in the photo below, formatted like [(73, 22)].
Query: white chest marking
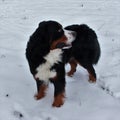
[(43, 71)]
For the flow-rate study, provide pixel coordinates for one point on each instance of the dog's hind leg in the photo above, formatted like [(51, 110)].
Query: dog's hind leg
[(91, 71), (89, 67), (73, 65), (41, 89)]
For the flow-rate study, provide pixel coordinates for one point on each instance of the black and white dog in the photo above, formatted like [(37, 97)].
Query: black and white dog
[(50, 48), (44, 52)]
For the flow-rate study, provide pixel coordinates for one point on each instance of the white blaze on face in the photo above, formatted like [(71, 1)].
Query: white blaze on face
[(70, 36), (43, 71)]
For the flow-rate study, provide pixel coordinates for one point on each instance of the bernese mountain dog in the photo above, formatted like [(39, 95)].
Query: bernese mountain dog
[(45, 55), (50, 47), (85, 50)]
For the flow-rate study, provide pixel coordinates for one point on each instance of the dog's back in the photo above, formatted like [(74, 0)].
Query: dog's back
[(85, 47), (85, 50)]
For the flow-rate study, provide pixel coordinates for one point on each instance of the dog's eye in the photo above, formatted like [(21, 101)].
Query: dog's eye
[(60, 30)]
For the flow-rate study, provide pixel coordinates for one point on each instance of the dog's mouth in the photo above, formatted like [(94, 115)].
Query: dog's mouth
[(65, 42), (63, 45)]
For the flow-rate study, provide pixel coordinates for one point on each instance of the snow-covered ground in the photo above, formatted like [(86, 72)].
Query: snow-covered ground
[(84, 101)]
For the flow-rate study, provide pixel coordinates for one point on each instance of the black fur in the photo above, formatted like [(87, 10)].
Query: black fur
[(85, 49), (39, 45)]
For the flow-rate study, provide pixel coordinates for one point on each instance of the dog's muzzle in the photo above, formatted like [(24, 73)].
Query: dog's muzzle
[(70, 35), (60, 45)]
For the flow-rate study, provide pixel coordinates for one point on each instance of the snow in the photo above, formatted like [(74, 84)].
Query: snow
[(84, 100)]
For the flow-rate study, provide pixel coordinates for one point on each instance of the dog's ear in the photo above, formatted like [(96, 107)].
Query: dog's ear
[(41, 31), (72, 27), (41, 34), (42, 24)]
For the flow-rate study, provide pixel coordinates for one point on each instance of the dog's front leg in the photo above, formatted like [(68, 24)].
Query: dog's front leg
[(59, 94), (59, 86), (41, 89)]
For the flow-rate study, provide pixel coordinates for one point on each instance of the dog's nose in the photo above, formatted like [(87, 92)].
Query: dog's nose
[(60, 45)]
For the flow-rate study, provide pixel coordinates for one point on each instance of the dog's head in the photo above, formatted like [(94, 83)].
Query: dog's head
[(55, 34), (46, 46)]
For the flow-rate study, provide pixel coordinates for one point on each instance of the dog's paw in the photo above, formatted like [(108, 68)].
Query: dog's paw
[(42, 92), (71, 73), (92, 79), (38, 96), (59, 100)]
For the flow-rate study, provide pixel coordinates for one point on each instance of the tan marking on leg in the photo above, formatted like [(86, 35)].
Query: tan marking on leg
[(42, 92), (92, 79), (73, 65), (59, 100)]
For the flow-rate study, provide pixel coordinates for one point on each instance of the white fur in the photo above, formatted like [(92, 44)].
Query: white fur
[(69, 35), (43, 71)]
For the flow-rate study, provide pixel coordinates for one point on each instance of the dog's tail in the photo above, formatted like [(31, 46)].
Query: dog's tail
[(97, 53), (90, 32)]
